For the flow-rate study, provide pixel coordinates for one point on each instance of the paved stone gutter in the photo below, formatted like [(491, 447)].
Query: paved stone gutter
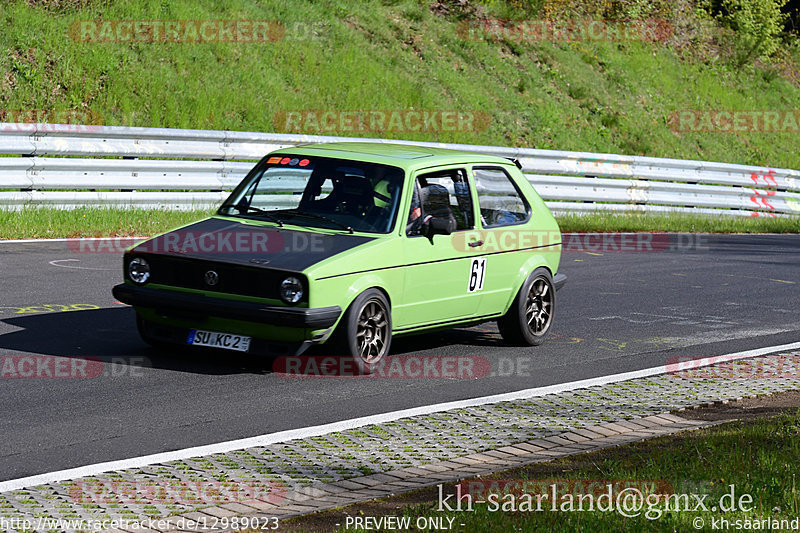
[(379, 460)]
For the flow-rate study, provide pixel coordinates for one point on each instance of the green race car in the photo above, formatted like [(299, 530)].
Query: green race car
[(350, 244)]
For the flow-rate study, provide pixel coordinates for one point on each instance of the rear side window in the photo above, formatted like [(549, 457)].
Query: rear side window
[(500, 201)]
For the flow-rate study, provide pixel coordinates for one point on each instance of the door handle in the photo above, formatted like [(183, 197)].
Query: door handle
[(476, 243)]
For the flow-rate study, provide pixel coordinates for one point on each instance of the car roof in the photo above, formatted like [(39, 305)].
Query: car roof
[(406, 156)]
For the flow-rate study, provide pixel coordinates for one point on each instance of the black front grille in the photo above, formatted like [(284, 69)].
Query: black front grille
[(233, 279)]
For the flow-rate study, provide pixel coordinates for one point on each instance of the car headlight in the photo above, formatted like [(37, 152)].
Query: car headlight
[(291, 290), (139, 271)]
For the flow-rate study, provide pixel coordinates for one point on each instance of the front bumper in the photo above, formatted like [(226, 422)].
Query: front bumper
[(559, 280), (173, 302)]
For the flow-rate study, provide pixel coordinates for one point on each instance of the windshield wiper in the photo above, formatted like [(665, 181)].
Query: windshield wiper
[(250, 208), (318, 217)]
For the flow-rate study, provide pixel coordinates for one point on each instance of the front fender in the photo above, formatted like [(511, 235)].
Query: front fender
[(343, 290), (363, 283)]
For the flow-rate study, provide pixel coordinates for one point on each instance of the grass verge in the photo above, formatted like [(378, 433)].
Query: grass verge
[(100, 222), (756, 456), (91, 222), (678, 222), (606, 95)]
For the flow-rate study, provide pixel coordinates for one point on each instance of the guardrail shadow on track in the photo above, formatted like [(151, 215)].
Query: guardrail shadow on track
[(756, 246)]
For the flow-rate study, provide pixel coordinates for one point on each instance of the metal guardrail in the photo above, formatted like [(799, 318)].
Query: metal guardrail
[(182, 169)]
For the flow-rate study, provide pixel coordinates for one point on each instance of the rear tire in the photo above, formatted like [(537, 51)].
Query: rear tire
[(530, 316), (365, 331)]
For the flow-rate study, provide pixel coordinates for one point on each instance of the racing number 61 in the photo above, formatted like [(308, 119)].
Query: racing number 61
[(477, 272)]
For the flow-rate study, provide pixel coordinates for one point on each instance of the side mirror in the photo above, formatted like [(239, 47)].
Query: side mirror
[(442, 226), (439, 226)]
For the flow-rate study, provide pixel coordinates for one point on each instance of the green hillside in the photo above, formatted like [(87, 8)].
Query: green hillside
[(619, 96)]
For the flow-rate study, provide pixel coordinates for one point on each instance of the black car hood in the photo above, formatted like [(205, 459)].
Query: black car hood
[(227, 241)]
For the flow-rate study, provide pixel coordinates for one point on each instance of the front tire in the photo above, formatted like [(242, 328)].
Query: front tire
[(530, 316), (366, 330)]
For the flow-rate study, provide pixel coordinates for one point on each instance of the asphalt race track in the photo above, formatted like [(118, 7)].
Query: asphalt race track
[(620, 311)]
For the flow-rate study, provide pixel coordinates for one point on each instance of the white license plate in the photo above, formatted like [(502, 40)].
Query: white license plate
[(213, 339)]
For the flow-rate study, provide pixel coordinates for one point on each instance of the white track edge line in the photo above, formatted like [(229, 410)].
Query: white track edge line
[(316, 431)]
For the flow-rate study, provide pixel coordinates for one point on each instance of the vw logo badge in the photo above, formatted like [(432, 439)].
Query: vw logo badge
[(212, 278)]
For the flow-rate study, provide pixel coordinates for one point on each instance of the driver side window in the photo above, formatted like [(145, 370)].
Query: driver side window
[(443, 194)]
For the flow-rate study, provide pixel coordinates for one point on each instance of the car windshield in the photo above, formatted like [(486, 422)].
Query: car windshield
[(319, 192)]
